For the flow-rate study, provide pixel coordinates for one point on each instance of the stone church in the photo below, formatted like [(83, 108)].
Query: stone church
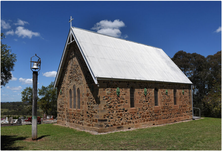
[(107, 84)]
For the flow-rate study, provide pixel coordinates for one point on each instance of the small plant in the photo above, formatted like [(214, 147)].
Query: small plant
[(117, 91)]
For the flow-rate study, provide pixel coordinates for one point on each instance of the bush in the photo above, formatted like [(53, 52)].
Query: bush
[(212, 107), (212, 102), (15, 117)]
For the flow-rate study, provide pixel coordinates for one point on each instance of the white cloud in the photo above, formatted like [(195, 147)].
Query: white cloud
[(22, 32), (5, 25), (110, 32), (14, 88), (50, 74), (21, 22), (126, 36), (13, 78), (218, 30), (25, 81), (10, 32), (108, 24), (109, 28)]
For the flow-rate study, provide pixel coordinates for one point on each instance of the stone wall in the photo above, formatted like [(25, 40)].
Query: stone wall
[(101, 110), (117, 114), (75, 72)]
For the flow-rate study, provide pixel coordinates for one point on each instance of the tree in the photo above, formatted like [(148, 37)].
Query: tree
[(214, 65), (48, 100), (183, 61), (27, 99), (212, 101), (205, 74), (194, 66), (7, 62)]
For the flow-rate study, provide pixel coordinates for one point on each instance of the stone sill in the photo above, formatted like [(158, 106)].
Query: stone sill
[(78, 110), (156, 107), (132, 110), (176, 106)]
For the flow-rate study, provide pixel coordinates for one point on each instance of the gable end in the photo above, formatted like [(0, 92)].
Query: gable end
[(70, 39)]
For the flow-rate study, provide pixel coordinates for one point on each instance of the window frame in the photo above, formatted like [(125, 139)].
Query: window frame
[(74, 96), (70, 98), (175, 96), (78, 98), (156, 97), (132, 97)]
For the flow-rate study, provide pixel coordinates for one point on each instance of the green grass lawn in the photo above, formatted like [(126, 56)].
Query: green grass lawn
[(203, 134)]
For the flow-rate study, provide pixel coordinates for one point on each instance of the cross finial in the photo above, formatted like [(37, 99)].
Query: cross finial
[(70, 21)]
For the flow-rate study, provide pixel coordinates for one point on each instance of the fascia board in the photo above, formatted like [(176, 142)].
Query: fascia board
[(84, 57), (61, 61)]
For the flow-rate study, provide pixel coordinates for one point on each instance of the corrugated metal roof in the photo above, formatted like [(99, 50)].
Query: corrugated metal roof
[(113, 58), (110, 57)]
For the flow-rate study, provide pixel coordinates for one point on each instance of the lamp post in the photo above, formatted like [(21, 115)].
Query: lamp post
[(35, 67)]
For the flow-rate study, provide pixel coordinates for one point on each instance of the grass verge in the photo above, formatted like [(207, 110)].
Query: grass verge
[(203, 134)]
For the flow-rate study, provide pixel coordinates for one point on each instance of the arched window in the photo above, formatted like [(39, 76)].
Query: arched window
[(78, 95), (74, 97), (70, 98), (156, 96), (175, 96), (132, 97)]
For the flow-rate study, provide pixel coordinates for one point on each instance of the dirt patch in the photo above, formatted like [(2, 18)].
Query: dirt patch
[(42, 138)]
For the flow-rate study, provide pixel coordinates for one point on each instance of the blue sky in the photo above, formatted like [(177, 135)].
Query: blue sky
[(42, 27)]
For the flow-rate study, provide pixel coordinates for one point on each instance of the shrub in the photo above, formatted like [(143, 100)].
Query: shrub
[(212, 102)]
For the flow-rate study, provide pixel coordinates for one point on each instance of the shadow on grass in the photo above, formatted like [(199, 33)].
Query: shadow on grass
[(7, 142), (42, 137)]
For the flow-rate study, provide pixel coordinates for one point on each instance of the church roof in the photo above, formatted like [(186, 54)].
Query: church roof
[(113, 58)]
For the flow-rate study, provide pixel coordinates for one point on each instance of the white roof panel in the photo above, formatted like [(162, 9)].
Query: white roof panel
[(110, 57)]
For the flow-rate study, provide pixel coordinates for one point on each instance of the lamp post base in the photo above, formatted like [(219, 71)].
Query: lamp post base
[(34, 128)]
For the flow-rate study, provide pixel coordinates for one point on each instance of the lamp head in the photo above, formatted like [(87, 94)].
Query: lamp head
[(35, 65)]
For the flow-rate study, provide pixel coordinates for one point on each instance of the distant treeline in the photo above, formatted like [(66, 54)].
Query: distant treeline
[(16, 108)]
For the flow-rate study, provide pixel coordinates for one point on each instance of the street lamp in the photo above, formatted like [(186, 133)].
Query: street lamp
[(35, 67)]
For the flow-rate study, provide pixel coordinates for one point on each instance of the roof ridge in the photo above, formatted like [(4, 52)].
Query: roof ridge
[(115, 37)]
